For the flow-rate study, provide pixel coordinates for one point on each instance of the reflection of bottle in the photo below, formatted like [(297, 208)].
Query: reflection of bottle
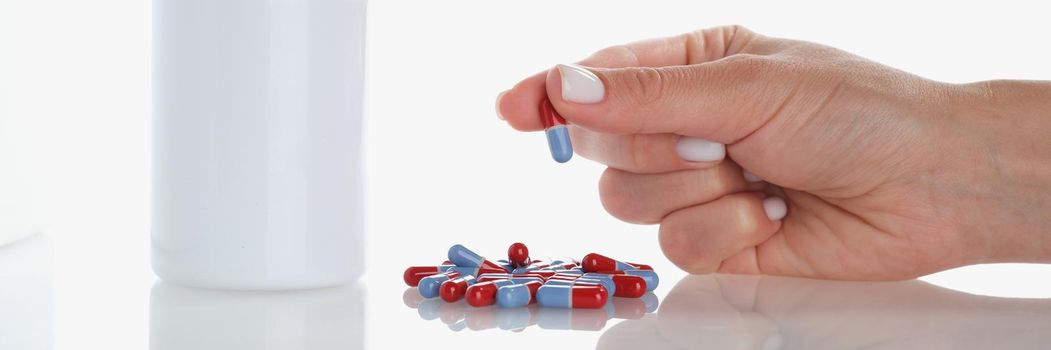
[(257, 128), (22, 183), (203, 319)]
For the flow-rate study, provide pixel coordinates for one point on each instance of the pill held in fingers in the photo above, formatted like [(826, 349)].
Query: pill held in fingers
[(557, 133)]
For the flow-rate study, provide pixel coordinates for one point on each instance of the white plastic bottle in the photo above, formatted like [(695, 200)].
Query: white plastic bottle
[(256, 143)]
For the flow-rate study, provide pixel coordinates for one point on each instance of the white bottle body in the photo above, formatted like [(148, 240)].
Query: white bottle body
[(257, 179)]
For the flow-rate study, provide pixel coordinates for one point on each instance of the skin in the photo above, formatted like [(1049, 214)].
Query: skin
[(887, 175)]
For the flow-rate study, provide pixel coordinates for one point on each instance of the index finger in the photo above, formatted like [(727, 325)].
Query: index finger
[(519, 105)]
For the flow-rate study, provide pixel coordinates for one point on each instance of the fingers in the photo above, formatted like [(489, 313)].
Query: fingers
[(647, 199), (518, 106), (721, 101), (646, 153), (699, 239)]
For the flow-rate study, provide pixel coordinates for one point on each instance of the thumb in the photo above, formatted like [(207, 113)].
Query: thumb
[(722, 101)]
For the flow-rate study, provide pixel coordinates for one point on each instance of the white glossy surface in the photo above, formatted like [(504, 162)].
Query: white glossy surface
[(435, 67), (257, 138)]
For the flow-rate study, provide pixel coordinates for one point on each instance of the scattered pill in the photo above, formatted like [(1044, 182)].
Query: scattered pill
[(414, 274), (517, 295), (579, 296), (463, 257), (518, 254), (595, 284), (484, 293), (454, 289), (595, 262), (649, 276), (428, 286)]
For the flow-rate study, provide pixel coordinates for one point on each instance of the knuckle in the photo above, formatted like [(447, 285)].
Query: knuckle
[(620, 201), (644, 85)]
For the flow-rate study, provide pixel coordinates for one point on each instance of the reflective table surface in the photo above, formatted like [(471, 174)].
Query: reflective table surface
[(42, 307)]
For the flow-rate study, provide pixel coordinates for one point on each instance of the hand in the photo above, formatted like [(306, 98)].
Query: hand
[(866, 172)]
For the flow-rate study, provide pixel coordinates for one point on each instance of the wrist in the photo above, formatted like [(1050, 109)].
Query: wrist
[(1006, 127)]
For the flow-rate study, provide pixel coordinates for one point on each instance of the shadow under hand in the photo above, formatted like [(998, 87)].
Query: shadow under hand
[(459, 316), (765, 312), (184, 318)]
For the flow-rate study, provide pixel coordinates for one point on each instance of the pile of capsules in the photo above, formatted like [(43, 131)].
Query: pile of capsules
[(519, 281)]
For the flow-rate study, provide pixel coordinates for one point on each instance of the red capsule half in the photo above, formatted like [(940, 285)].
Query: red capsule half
[(596, 262), (484, 293), (454, 289), (414, 274), (629, 286), (518, 254)]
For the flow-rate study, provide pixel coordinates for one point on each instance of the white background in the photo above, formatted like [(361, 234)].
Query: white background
[(441, 168)]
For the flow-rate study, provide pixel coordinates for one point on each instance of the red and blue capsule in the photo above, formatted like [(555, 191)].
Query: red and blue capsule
[(463, 257), (517, 295), (576, 296), (557, 134), (414, 274), (484, 293), (428, 286), (454, 289), (596, 262)]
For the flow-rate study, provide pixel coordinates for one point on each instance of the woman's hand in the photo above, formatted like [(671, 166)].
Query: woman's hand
[(854, 170)]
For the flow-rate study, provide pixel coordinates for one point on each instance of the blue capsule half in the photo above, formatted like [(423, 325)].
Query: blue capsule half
[(428, 286), (554, 295), (558, 142), (604, 279), (515, 295), (463, 257), (608, 283)]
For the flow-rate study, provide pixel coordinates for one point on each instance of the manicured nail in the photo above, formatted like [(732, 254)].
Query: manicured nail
[(580, 85), (748, 176), (498, 97), (696, 149), (775, 208)]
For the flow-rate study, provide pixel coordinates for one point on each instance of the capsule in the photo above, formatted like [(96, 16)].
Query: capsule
[(627, 286), (454, 289), (560, 266), (607, 283), (641, 266), (596, 263), (428, 286), (557, 133), (463, 257), (517, 295), (579, 296), (475, 271), (414, 274), (545, 274), (649, 276), (484, 293), (518, 254)]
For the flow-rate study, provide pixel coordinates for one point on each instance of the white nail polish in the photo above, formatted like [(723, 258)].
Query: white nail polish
[(775, 208), (748, 176), (696, 149), (498, 97), (580, 85)]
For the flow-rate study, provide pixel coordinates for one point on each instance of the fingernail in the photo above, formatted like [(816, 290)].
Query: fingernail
[(498, 97), (748, 176), (580, 85), (696, 149), (775, 208)]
